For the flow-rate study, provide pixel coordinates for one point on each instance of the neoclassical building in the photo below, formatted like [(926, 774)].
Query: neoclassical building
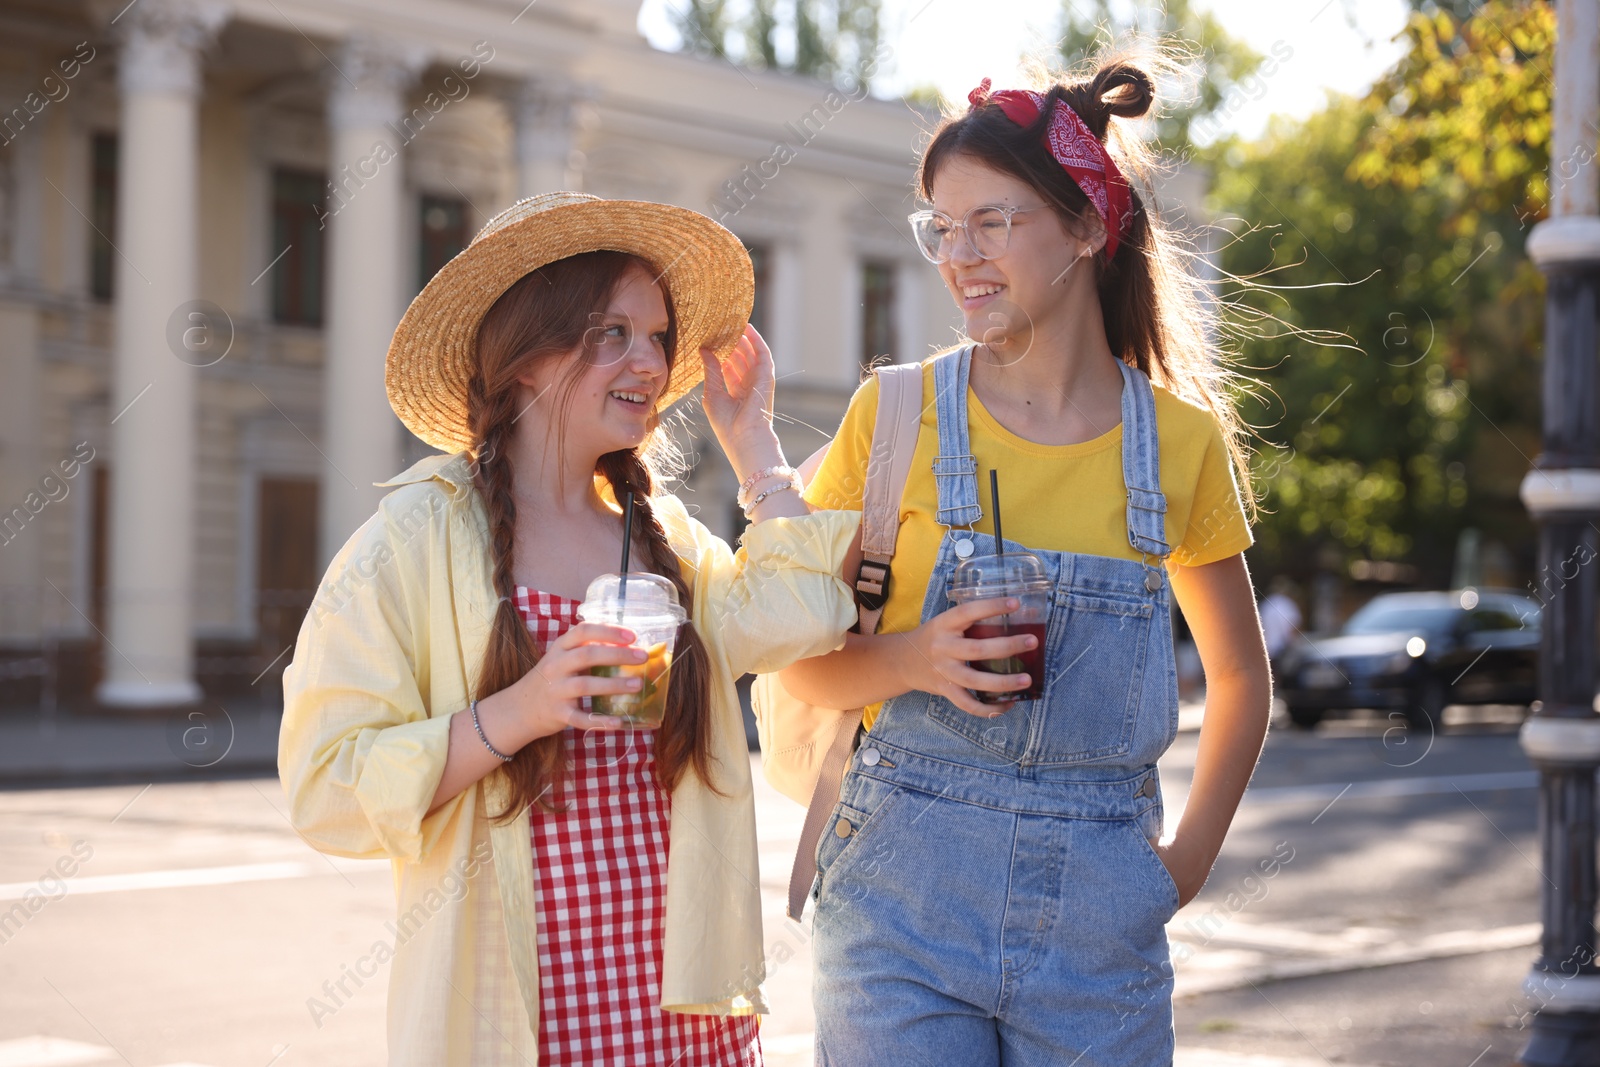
[(212, 215)]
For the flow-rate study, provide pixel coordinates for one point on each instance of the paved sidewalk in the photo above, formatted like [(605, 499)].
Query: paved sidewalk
[(217, 739)]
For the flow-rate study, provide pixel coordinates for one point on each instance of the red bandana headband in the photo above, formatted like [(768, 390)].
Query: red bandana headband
[(1076, 148)]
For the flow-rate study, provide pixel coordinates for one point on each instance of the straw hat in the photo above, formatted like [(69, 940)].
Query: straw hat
[(431, 358)]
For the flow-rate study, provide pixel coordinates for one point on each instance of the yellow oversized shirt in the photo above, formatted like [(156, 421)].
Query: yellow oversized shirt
[(392, 646)]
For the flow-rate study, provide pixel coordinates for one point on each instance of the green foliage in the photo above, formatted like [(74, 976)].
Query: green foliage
[(1469, 112), (703, 25), (1398, 220), (761, 33), (832, 40), (1212, 61)]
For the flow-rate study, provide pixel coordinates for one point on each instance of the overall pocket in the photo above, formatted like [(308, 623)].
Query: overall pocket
[(1094, 681), (1005, 736), (854, 849), (1166, 890)]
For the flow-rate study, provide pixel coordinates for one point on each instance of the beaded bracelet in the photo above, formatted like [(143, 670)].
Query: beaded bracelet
[(791, 483), (473, 707), (768, 472)]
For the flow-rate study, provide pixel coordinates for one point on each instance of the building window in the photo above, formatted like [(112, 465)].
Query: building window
[(877, 312), (99, 546), (444, 233), (102, 213), (761, 260), (297, 237), (286, 560)]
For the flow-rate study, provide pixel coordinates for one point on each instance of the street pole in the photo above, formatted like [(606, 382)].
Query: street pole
[(1562, 494)]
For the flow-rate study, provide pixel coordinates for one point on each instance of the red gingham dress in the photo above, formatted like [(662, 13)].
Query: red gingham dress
[(600, 868)]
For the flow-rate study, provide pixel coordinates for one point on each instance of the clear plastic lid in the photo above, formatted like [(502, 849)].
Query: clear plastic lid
[(984, 576), (649, 597)]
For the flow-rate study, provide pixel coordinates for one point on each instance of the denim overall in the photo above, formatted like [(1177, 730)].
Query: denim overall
[(986, 890)]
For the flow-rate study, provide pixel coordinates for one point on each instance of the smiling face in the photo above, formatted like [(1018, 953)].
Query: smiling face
[(611, 383), (1044, 270)]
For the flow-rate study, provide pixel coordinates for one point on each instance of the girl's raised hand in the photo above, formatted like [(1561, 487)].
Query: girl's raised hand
[(938, 654), (738, 395), (549, 698)]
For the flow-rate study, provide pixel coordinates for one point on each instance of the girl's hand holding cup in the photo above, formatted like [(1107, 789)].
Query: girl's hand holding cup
[(938, 655), (549, 698)]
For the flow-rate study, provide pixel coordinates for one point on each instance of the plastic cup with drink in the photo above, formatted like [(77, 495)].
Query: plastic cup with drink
[(648, 605), (1021, 576), (1016, 575)]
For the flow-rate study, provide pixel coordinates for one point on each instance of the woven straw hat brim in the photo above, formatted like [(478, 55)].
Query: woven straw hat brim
[(705, 268)]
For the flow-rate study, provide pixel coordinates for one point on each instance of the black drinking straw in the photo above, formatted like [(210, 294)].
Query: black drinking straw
[(999, 539), (994, 498), (627, 543)]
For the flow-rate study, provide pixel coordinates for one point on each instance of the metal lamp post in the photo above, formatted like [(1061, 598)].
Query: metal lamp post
[(1562, 494)]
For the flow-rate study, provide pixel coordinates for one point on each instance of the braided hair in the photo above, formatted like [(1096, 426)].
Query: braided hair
[(546, 314)]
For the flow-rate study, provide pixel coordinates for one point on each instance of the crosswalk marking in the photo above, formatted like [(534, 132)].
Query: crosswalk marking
[(42, 1050), (191, 876)]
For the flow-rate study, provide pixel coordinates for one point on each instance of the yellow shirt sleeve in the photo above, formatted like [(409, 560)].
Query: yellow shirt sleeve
[(841, 482), (1217, 527), (360, 754), (778, 599)]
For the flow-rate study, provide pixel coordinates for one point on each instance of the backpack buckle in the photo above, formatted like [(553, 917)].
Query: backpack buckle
[(872, 585)]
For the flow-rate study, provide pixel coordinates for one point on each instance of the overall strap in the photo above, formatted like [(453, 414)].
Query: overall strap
[(1141, 465), (955, 471)]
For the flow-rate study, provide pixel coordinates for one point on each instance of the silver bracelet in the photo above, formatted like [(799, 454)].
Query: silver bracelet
[(793, 482), (476, 725)]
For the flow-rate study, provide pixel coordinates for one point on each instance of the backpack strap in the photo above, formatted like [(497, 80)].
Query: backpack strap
[(894, 440)]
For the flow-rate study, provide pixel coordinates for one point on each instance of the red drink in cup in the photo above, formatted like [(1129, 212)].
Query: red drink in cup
[(1012, 574)]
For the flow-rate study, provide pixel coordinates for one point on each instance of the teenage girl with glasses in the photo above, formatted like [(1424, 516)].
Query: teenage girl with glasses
[(991, 884)]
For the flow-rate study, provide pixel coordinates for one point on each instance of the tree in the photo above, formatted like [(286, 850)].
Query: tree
[(761, 33), (832, 40), (1398, 220), (703, 26), (1214, 64)]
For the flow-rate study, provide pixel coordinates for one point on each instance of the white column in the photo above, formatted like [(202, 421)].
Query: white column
[(786, 307), (149, 658), (910, 309), (372, 251), (544, 112), (1574, 190)]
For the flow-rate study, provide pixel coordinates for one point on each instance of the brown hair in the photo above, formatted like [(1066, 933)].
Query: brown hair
[(1156, 316), (545, 315)]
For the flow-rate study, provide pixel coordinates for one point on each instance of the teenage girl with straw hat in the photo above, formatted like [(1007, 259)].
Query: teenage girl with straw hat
[(569, 893), (992, 888)]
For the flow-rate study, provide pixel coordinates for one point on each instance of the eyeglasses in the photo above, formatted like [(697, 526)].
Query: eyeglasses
[(988, 231)]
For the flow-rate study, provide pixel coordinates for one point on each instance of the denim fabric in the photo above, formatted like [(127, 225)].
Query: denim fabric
[(987, 893)]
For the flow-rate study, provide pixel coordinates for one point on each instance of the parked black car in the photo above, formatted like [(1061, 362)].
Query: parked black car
[(1418, 653)]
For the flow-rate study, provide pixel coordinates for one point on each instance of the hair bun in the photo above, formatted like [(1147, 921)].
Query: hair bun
[(1123, 90)]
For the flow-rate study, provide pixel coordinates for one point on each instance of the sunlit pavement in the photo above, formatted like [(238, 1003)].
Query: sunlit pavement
[(1392, 923)]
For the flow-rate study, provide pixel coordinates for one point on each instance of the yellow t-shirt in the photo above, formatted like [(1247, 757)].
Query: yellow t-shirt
[(1058, 498)]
